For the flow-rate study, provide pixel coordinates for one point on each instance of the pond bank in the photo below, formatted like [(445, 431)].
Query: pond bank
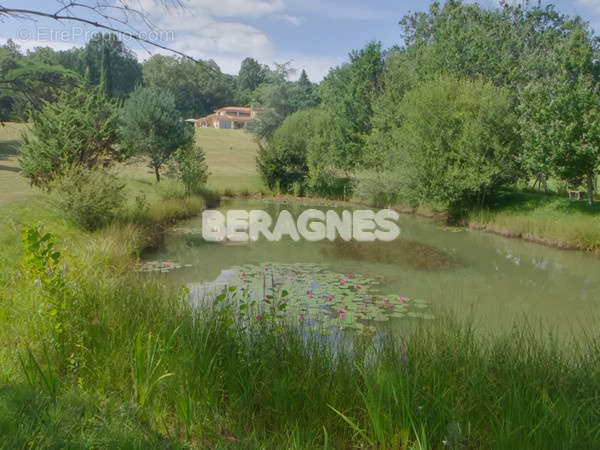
[(551, 222)]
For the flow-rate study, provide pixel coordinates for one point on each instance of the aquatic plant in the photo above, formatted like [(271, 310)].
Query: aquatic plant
[(318, 296)]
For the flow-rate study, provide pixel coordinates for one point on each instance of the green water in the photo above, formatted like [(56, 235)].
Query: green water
[(495, 279)]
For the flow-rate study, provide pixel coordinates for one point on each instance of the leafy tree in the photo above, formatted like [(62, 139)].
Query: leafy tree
[(27, 83), (152, 126), (79, 130), (251, 75), (560, 126), (108, 63), (456, 142), (189, 165), (507, 46), (106, 74), (560, 114), (198, 88), (281, 98), (347, 94), (284, 160)]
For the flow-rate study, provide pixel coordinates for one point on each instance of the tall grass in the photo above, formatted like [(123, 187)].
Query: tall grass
[(444, 384), (143, 369)]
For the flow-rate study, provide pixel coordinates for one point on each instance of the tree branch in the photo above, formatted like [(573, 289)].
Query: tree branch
[(62, 15)]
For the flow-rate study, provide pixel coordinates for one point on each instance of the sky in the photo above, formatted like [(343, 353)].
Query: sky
[(314, 35)]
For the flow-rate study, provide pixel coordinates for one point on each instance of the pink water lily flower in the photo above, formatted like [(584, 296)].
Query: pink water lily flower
[(351, 276), (329, 298), (341, 314), (358, 287), (402, 299), (310, 294), (301, 318), (343, 281)]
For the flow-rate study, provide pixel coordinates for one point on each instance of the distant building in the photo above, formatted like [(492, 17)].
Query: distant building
[(229, 117)]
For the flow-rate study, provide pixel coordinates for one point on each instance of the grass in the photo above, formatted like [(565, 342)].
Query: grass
[(133, 366), (151, 373), (549, 219), (230, 155), (13, 187)]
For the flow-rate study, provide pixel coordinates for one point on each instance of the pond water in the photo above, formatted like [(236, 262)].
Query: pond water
[(494, 278)]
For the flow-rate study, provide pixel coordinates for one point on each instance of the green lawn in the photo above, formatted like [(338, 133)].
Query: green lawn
[(231, 159), (230, 155)]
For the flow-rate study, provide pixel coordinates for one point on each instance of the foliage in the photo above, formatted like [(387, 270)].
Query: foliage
[(251, 75), (281, 98), (107, 63), (560, 117), (27, 83), (189, 165), (198, 88), (463, 39), (283, 161), (456, 142), (347, 94), (381, 188), (91, 199), (79, 130), (152, 126)]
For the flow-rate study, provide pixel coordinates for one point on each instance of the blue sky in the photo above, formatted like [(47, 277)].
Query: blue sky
[(314, 34)]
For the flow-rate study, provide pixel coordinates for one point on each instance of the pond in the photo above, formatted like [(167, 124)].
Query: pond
[(494, 278)]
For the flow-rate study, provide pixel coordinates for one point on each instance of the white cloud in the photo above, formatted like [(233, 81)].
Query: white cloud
[(225, 37), (220, 8), (294, 20)]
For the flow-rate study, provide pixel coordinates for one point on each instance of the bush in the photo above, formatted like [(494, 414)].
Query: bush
[(382, 188), (283, 161), (456, 143), (189, 166), (89, 198), (80, 129)]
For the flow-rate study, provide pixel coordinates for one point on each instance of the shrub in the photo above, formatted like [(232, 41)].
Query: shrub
[(89, 198), (381, 188), (80, 129), (190, 167), (456, 142), (283, 161)]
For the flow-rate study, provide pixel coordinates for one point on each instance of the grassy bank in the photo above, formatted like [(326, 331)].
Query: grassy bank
[(148, 372), (546, 219)]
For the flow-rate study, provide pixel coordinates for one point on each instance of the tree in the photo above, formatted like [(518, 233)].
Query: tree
[(112, 66), (189, 165), (284, 160), (560, 114), (151, 126), (251, 75), (106, 75), (456, 143), (347, 94), (26, 82), (79, 130), (198, 88), (560, 127), (281, 98)]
